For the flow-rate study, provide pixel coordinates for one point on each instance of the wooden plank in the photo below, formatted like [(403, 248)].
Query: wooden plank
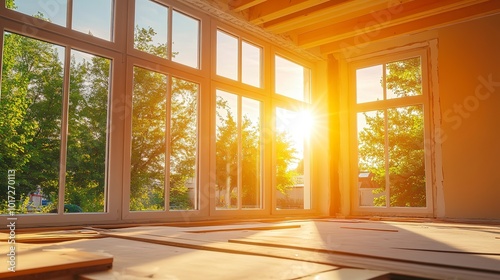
[(240, 5), (52, 236), (467, 249), (243, 228), (278, 8), (375, 21), (351, 43), (351, 274), (309, 237), (134, 259), (328, 13), (37, 262)]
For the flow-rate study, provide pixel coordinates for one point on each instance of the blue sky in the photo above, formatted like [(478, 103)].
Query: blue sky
[(88, 15)]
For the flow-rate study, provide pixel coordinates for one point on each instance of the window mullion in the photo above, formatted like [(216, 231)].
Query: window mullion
[(64, 130), (69, 14), (169, 33), (240, 59), (386, 156), (239, 153), (168, 140)]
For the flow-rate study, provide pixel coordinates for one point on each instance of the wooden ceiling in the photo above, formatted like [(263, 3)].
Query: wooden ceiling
[(327, 26)]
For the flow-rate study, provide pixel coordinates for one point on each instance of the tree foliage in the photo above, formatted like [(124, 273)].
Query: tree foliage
[(233, 161), (164, 131)]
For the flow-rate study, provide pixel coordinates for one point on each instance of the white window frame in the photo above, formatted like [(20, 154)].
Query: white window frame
[(15, 22), (124, 57), (426, 100)]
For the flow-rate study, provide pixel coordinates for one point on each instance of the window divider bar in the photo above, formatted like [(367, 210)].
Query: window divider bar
[(64, 130), (240, 149), (168, 138)]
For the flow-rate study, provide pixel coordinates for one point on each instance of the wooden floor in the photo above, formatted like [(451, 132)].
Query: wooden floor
[(301, 249)]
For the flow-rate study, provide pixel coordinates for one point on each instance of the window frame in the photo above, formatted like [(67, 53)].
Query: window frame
[(265, 155), (124, 57), (202, 209), (113, 149), (288, 103), (387, 103), (251, 40), (204, 59)]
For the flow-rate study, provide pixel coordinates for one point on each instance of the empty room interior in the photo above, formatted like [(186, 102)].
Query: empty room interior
[(250, 139)]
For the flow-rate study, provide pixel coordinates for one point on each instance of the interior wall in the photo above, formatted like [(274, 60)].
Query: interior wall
[(469, 89)]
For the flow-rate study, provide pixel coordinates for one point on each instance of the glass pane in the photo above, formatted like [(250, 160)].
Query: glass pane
[(93, 17), (227, 55), (53, 11), (226, 145), (30, 123), (251, 154), (183, 145), (149, 124), (185, 40), (406, 156), (250, 64), (371, 158), (404, 78), (291, 79), (369, 84), (151, 21), (291, 154), (87, 133)]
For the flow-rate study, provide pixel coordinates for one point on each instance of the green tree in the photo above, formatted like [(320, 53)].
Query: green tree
[(87, 129), (151, 141), (230, 164), (30, 115), (405, 136), (285, 157)]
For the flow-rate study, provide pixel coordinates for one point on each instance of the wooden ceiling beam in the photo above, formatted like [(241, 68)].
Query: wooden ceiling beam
[(375, 21), (352, 45), (331, 10), (240, 5), (274, 9)]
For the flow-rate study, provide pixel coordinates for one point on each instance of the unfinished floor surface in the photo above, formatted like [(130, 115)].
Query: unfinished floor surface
[(305, 249)]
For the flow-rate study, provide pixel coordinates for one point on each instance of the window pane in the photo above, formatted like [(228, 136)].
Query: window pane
[(371, 158), (369, 84), (183, 145), (406, 156), (87, 132), (93, 17), (52, 11), (149, 124), (185, 40), (250, 64), (291, 154), (30, 121), (151, 21), (291, 79), (227, 55), (251, 154), (404, 78), (226, 150)]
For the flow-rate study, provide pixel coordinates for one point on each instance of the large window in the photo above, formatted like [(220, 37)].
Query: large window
[(293, 127), (92, 17), (292, 155), (138, 110), (391, 129), (238, 152), (238, 59), (164, 143), (291, 79), (54, 134), (167, 33)]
